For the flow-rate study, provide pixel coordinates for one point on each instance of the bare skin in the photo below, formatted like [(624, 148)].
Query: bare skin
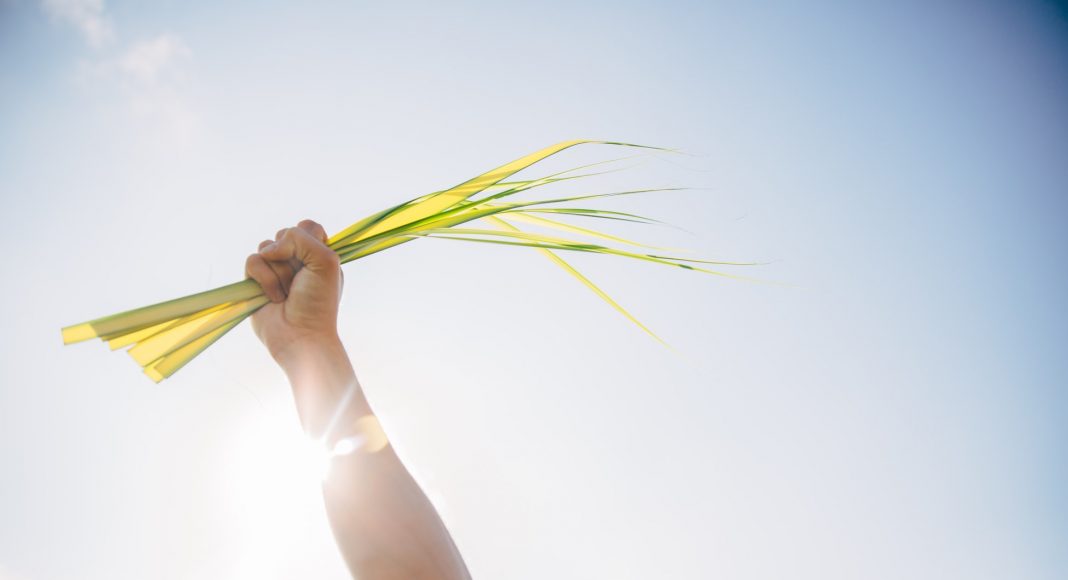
[(382, 521)]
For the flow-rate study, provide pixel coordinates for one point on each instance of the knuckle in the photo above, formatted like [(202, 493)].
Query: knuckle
[(260, 271), (305, 238), (314, 229)]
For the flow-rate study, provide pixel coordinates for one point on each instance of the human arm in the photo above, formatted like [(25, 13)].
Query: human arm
[(382, 521)]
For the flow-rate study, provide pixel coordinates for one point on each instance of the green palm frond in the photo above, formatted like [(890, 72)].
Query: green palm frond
[(164, 337)]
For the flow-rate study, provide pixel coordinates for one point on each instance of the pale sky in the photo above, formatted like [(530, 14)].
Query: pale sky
[(896, 409)]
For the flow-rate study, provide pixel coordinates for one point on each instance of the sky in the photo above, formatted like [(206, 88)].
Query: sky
[(893, 405)]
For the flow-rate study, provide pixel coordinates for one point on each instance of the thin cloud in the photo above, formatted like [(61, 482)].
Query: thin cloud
[(146, 60), (152, 74), (87, 16), (149, 74)]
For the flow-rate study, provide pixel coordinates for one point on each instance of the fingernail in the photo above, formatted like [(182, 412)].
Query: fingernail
[(268, 248)]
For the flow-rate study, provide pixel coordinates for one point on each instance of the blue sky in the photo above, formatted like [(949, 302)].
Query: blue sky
[(897, 410)]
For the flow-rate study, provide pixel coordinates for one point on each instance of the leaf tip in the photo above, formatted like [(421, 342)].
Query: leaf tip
[(78, 333)]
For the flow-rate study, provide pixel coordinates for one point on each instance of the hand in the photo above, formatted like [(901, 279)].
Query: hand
[(302, 278)]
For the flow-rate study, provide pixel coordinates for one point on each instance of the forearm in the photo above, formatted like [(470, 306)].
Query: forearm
[(384, 524), (322, 378)]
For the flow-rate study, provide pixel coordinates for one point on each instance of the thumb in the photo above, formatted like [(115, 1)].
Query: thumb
[(297, 243)]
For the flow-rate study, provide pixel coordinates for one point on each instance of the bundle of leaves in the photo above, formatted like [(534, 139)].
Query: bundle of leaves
[(164, 337)]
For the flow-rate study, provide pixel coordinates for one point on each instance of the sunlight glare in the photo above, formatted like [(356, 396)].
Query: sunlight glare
[(349, 445), (275, 475)]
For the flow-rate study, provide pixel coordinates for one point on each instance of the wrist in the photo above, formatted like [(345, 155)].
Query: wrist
[(298, 352), (324, 383)]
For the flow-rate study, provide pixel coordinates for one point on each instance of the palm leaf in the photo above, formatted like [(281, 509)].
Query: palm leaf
[(164, 337)]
